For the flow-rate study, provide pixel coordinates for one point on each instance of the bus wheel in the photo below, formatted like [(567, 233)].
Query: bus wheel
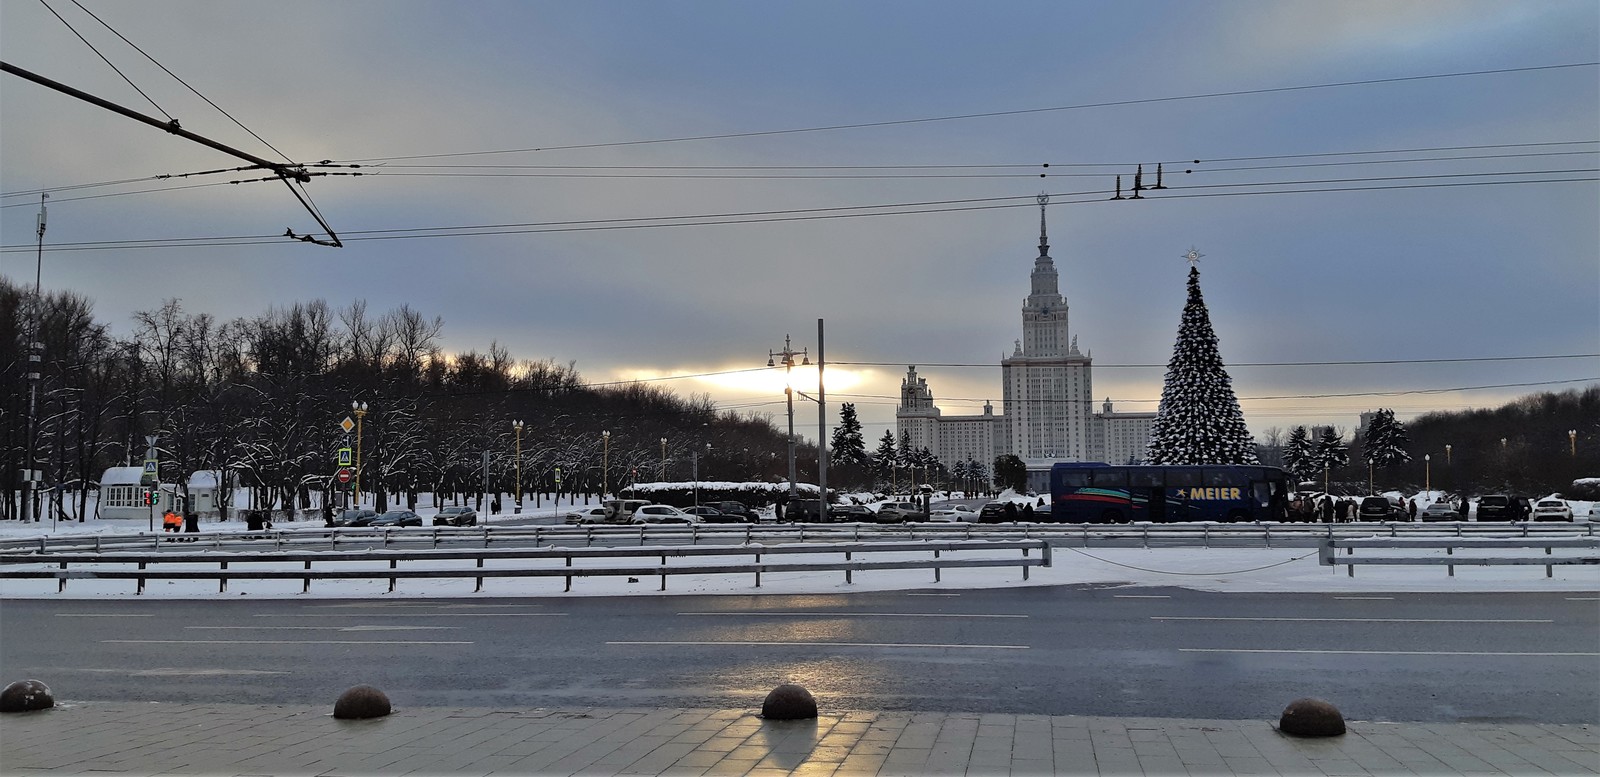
[(1238, 516), (1111, 516)]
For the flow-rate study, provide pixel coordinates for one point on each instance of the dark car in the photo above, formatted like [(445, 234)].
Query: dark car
[(1377, 508), (710, 514), (803, 511), (1500, 507), (738, 509), (851, 513), (994, 512), (354, 517), (456, 516), (395, 518)]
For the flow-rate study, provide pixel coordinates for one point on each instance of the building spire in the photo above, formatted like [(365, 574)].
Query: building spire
[(1044, 241)]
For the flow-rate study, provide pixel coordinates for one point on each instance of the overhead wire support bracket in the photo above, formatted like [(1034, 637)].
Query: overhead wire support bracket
[(288, 173)]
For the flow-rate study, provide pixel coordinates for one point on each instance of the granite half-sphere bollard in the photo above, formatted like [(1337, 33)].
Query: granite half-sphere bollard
[(26, 696), (1311, 718), (789, 702), (361, 701)]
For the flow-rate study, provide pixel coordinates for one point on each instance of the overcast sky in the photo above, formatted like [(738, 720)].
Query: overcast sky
[(1436, 270)]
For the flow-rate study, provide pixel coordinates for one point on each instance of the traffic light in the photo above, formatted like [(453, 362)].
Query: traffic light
[(149, 497)]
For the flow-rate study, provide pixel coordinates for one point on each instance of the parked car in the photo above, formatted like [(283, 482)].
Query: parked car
[(1377, 508), (395, 518), (621, 510), (1552, 510), (707, 514), (955, 513), (354, 517), (993, 512), (739, 509), (1594, 512), (851, 513), (1499, 507), (662, 514), (714, 514), (899, 512), (456, 516), (586, 515), (803, 511), (1441, 510)]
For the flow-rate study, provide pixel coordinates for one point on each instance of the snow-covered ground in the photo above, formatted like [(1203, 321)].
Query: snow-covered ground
[(1208, 569)]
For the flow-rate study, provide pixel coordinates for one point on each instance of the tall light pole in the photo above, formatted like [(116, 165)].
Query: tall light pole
[(1572, 440), (517, 425), (1447, 454), (30, 475), (787, 360), (605, 464), (1427, 473), (663, 459), (360, 409)]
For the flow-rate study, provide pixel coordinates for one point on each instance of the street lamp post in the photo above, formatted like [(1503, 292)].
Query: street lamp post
[(1572, 440), (517, 509), (1427, 473), (605, 464), (787, 355), (360, 409), (1447, 454), (663, 459)]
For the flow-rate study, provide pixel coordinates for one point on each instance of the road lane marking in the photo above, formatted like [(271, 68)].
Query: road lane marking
[(830, 644), (933, 594), (1141, 596), (417, 604), (1354, 620), (1583, 598), (326, 628), (271, 642), (863, 614), (1366, 598), (408, 614), (180, 672), (1382, 652), (103, 615)]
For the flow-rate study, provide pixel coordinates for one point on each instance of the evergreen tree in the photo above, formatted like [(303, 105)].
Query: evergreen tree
[(905, 455), (1385, 441), (1199, 421), (848, 447), (1297, 455), (978, 473), (883, 459), (1010, 471), (1330, 452)]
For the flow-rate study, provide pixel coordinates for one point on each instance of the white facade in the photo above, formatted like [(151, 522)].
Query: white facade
[(950, 438), (1123, 437)]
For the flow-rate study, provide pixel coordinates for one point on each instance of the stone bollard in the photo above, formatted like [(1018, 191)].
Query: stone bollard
[(1311, 718), (361, 701), (26, 696), (789, 702)]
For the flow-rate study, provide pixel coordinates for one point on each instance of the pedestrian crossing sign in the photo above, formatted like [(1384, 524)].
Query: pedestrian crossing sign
[(150, 467), (344, 457)]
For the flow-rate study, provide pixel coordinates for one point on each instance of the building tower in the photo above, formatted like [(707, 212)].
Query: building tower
[(1046, 379)]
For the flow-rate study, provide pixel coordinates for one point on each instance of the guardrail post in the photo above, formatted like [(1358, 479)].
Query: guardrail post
[(1205, 534), (97, 543), (1145, 538), (663, 572), (936, 564), (222, 582), (436, 538), (847, 580), (569, 577), (1451, 568), (694, 539), (61, 584), (392, 562), (1024, 566), (758, 570), (140, 589), (479, 586), (305, 585), (486, 532), (1267, 530), (641, 535)]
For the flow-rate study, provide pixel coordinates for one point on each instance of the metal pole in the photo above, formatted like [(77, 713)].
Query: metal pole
[(35, 364), (822, 427)]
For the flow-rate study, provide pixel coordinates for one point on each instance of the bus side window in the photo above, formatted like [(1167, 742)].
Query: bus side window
[(1216, 478), (1075, 479), (1183, 478), (1146, 477), (1110, 477), (1263, 494)]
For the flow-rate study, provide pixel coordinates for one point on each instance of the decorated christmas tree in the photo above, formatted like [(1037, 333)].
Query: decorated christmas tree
[(1199, 421)]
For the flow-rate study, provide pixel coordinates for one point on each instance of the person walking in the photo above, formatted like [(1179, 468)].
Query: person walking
[(1011, 512), (171, 521), (1411, 509)]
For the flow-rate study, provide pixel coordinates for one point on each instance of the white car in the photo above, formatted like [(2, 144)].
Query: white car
[(1551, 510), (662, 514), (954, 514), (586, 515)]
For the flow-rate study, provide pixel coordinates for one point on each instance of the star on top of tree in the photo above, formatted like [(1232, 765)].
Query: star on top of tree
[(1193, 256)]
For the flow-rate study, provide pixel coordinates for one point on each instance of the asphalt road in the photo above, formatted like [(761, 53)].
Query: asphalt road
[(1057, 650)]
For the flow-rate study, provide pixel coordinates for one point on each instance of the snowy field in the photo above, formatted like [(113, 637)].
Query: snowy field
[(1206, 569)]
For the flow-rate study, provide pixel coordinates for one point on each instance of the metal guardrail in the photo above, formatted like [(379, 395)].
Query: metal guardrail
[(1082, 535), (1329, 554), (849, 565)]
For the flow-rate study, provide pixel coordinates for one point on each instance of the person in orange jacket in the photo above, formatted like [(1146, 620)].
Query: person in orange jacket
[(171, 521)]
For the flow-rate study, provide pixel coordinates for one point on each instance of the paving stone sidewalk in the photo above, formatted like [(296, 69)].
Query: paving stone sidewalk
[(239, 739)]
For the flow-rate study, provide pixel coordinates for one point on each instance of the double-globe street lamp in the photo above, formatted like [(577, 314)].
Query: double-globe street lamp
[(787, 360), (517, 508), (605, 464)]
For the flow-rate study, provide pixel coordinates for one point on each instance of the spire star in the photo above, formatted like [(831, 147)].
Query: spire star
[(1193, 256)]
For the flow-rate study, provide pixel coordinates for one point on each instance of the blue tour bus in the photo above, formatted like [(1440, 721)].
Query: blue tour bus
[(1092, 492)]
